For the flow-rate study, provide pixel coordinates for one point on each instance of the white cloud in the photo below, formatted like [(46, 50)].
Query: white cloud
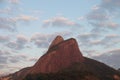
[(113, 24), (7, 24), (110, 5), (96, 7), (81, 18), (4, 56), (19, 43), (10, 1), (102, 16), (10, 23), (25, 18), (110, 57), (14, 1), (17, 58), (8, 61), (98, 15), (4, 38), (5, 11), (11, 15), (33, 59), (59, 21), (86, 37), (43, 40), (4, 52), (22, 39), (108, 41), (109, 25)]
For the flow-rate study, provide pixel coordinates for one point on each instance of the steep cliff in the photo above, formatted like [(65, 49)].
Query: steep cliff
[(60, 55)]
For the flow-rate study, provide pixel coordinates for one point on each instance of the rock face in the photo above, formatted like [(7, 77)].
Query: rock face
[(57, 40), (60, 55), (88, 70), (21, 74)]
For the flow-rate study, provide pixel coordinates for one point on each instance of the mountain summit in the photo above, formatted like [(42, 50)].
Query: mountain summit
[(57, 40), (60, 55)]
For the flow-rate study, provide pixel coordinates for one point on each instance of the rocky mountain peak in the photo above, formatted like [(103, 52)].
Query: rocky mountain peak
[(60, 55), (57, 40)]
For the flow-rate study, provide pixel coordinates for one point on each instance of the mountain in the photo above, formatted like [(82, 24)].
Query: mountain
[(64, 61), (57, 40), (60, 55)]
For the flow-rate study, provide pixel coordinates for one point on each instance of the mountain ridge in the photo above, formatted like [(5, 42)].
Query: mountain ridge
[(56, 41), (66, 50)]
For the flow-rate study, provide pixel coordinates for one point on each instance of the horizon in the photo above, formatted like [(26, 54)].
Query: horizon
[(28, 27)]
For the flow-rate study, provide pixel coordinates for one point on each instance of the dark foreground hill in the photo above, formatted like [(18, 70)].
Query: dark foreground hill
[(64, 61)]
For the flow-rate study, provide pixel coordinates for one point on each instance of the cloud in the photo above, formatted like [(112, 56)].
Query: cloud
[(3, 59), (10, 18), (8, 57), (4, 39), (110, 57), (10, 1), (110, 5), (86, 38), (108, 41), (97, 42), (5, 11), (98, 15), (25, 18), (7, 24), (40, 40), (111, 25), (17, 58), (21, 39), (100, 29), (102, 17), (81, 18), (14, 1), (19, 43), (13, 59), (33, 59), (85, 41), (4, 56), (43, 40), (2, 66), (90, 53), (41, 43), (59, 21), (8, 61), (10, 23), (2, 53)]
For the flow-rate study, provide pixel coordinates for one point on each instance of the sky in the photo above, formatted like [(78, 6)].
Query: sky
[(27, 28)]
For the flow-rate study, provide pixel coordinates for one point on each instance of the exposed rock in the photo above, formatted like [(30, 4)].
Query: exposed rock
[(21, 74), (57, 40), (58, 57)]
